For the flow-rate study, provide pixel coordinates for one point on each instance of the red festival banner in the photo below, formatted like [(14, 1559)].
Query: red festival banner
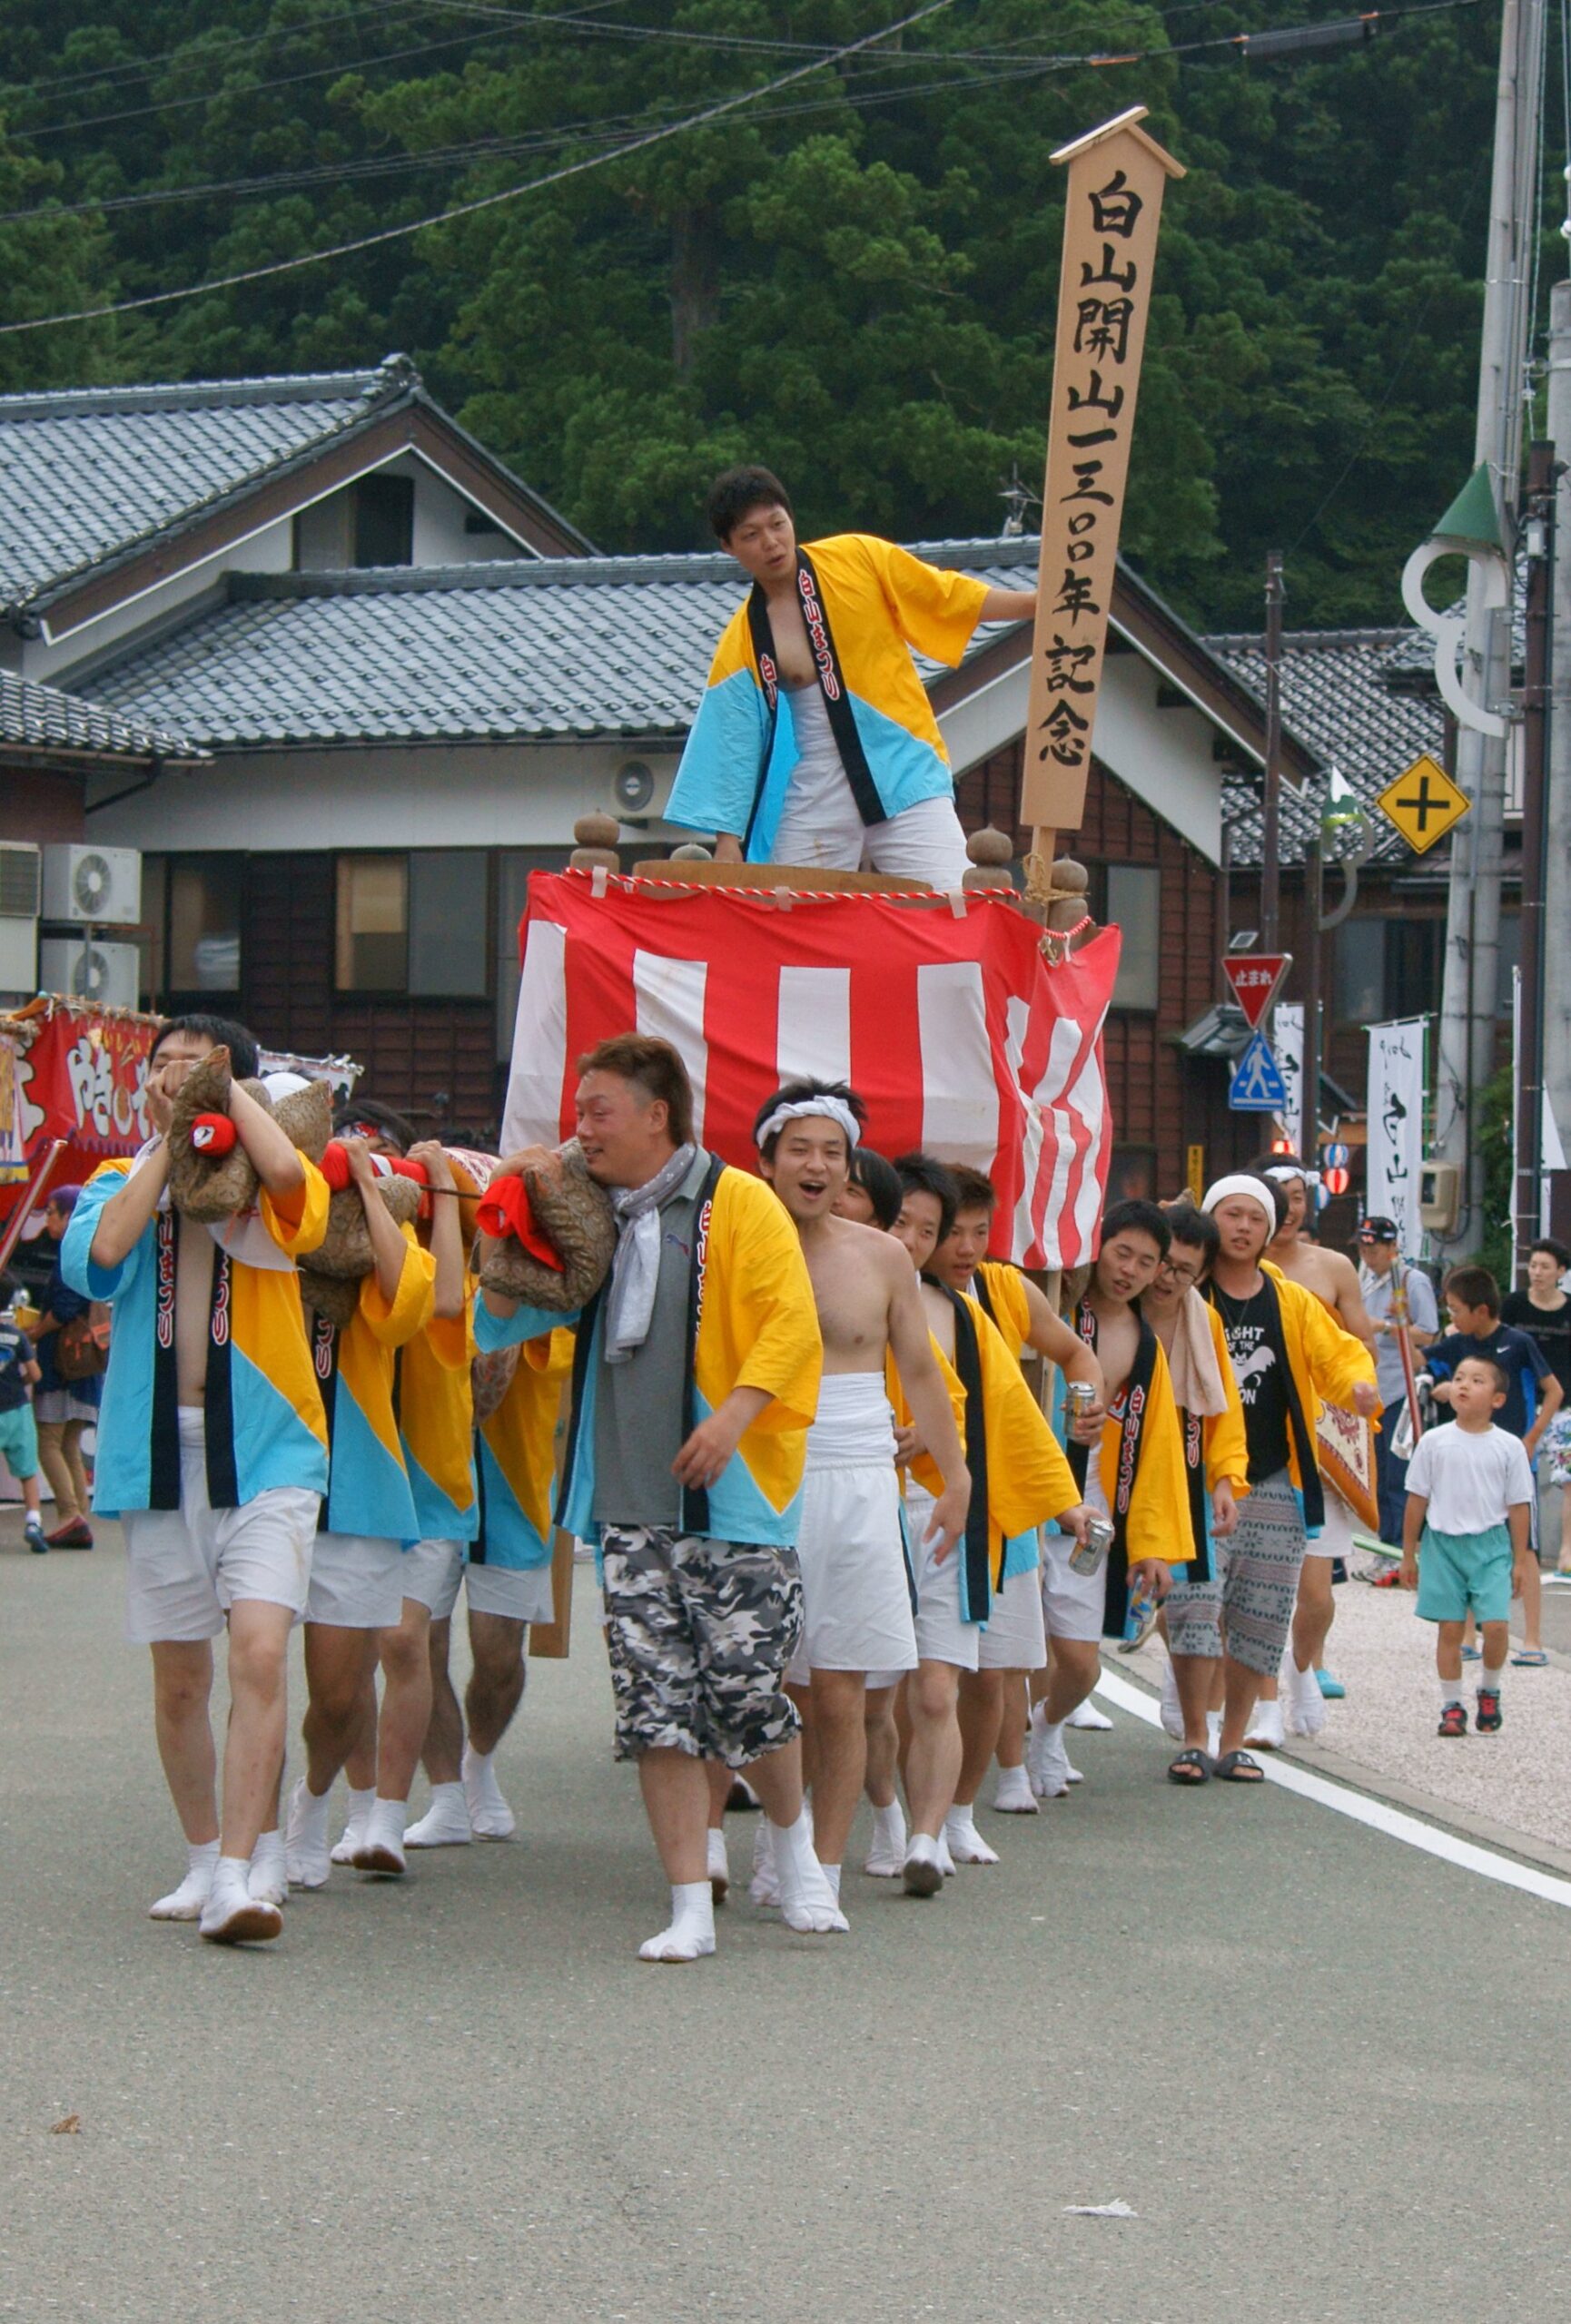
[(959, 1034), (78, 1074)]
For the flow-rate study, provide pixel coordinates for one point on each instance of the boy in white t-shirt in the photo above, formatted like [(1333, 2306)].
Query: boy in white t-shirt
[(1470, 1497)]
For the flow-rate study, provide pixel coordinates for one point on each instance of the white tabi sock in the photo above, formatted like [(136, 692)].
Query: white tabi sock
[(446, 1822), (269, 1876), (231, 1914), (490, 1815), (964, 1841), (354, 1824), (691, 1934), (807, 1902), (923, 1865), (1013, 1795), (719, 1866), (185, 1902), (383, 1848), (887, 1852), (305, 1838)]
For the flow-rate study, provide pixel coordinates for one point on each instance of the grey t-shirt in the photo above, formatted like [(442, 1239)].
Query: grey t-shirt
[(1421, 1311), (638, 1406)]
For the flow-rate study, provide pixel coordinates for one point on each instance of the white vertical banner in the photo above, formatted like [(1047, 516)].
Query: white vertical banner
[(1288, 1041), (1396, 1127)]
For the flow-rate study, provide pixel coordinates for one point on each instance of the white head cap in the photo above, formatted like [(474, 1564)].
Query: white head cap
[(1243, 1182)]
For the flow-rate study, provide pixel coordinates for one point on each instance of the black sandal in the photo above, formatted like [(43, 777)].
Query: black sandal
[(1190, 1768), (1239, 1767)]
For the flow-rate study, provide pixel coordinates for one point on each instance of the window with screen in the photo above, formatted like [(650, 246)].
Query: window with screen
[(204, 900), (1133, 894), (448, 923), (371, 951)]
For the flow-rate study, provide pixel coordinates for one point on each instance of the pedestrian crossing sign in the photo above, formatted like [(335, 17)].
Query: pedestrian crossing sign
[(1424, 804), (1258, 1086)]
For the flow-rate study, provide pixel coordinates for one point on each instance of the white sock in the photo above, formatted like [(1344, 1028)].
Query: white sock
[(1013, 1795), (1491, 1681), (384, 1833), (691, 1933), (763, 1888), (269, 1878), (360, 1806), (807, 1902), (1450, 1692), (446, 1822), (229, 1897), (489, 1814), (305, 1845), (886, 1852), (963, 1839), (185, 1902), (719, 1864), (832, 1874)]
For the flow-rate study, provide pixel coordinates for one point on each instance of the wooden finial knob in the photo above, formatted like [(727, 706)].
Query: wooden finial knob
[(595, 859), (692, 851), (990, 845), (596, 830), (1069, 878)]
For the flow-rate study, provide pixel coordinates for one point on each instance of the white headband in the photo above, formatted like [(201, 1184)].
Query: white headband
[(1283, 1170), (831, 1110), (1243, 1183)]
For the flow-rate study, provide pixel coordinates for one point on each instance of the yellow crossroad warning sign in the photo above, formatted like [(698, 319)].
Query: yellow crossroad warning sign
[(1423, 804)]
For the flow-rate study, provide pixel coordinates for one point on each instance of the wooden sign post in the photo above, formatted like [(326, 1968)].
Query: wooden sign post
[(1117, 177)]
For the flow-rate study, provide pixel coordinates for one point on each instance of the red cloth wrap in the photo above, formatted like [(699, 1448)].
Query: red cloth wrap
[(504, 1209)]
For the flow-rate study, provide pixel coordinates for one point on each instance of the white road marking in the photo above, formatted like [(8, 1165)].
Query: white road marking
[(1380, 1817)]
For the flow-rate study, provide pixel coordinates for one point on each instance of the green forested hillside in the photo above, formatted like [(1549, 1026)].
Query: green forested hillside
[(853, 278)]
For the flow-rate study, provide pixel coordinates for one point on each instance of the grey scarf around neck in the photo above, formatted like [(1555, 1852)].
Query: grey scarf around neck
[(636, 1268)]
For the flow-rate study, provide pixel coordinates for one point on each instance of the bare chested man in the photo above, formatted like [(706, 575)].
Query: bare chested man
[(855, 1586), (1334, 1280)]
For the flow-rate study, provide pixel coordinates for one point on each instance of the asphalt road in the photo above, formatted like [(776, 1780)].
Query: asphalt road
[(1328, 2071)]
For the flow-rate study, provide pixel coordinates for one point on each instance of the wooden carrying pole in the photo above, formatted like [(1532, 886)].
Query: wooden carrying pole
[(1117, 177)]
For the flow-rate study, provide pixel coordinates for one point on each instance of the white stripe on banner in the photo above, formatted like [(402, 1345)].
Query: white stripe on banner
[(533, 1114), (1432, 1839), (813, 1030), (1052, 1122), (670, 1008), (1017, 1020), (959, 1093), (1086, 1099)]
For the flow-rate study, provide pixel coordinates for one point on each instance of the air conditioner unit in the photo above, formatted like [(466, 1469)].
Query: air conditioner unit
[(108, 975), (101, 887)]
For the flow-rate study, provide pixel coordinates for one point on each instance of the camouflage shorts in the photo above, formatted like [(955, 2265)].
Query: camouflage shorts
[(699, 1633)]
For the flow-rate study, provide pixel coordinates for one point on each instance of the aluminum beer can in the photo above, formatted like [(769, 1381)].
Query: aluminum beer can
[(1090, 1555), (1079, 1396)]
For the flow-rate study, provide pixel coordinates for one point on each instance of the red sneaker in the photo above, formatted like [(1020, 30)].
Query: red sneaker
[(1487, 1719), (1454, 1718)]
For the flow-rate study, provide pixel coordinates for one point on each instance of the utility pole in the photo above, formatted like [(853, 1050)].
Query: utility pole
[(1270, 821), (1538, 535), (1556, 977), (1469, 1006)]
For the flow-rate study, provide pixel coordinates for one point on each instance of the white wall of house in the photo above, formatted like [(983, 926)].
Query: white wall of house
[(1162, 755), (66, 656), (469, 795)]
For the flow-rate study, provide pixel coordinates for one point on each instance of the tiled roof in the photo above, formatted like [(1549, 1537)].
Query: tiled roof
[(91, 476), (563, 647), (88, 474), (34, 718), (1350, 694)]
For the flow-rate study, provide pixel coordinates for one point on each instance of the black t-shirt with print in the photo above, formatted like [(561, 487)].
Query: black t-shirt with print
[(1550, 1327), (1262, 1389)]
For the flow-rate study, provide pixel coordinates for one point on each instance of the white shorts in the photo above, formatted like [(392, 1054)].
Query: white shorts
[(941, 1635), (1074, 1605), (1334, 1538), (1015, 1637), (519, 1593), (357, 1582), (855, 1593), (188, 1566), (922, 843), (432, 1572)]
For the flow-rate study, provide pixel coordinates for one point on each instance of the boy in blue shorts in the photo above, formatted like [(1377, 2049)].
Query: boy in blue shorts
[(18, 1430), (1470, 1493)]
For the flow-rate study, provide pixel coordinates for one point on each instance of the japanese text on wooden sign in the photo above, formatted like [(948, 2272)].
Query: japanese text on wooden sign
[(1117, 176)]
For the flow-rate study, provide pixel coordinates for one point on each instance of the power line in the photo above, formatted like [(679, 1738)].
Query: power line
[(486, 201)]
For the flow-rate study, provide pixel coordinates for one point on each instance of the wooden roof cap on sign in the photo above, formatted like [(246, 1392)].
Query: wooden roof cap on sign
[(1122, 124)]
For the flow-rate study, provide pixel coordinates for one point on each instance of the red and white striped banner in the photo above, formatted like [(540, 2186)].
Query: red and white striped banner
[(957, 1033)]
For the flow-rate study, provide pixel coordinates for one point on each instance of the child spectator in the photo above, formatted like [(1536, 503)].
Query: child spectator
[(1532, 1399), (19, 1431), (1469, 1492)]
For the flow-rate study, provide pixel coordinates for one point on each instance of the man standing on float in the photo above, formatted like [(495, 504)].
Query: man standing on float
[(816, 743)]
